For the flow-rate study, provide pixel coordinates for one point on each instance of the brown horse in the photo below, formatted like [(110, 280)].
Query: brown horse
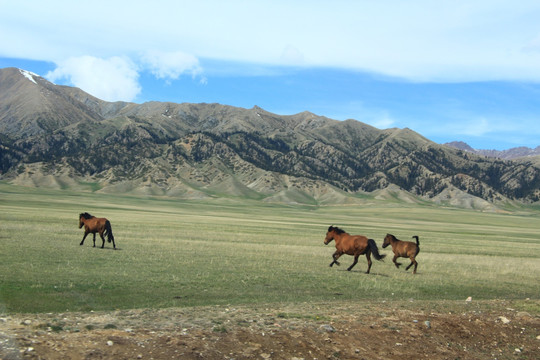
[(354, 245), (95, 225), (406, 249)]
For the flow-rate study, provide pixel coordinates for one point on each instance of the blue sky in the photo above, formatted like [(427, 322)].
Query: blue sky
[(449, 70)]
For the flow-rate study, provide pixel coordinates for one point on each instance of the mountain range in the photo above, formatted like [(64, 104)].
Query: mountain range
[(61, 137), (509, 154)]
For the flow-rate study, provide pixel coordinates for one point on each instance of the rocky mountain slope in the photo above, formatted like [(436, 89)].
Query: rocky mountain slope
[(61, 137)]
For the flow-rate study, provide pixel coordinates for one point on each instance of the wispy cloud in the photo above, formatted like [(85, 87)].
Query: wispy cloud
[(383, 122), (423, 41), (171, 65), (476, 127), (533, 45)]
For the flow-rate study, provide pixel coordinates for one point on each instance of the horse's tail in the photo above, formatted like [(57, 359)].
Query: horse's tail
[(374, 250), (108, 231), (417, 244)]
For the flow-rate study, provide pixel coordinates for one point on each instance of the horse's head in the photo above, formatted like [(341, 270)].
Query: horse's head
[(388, 240), (329, 235), (82, 217)]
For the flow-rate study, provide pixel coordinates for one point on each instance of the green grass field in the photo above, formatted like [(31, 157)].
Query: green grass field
[(226, 251)]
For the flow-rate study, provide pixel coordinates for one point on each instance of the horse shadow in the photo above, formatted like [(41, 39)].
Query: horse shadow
[(363, 272), (108, 248), (105, 248)]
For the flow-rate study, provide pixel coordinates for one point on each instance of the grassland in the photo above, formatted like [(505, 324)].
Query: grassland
[(227, 251)]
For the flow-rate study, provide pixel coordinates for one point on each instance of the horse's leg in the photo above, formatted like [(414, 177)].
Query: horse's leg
[(368, 257), (413, 262), (84, 237), (354, 262), (336, 256), (102, 239), (94, 239), (395, 262)]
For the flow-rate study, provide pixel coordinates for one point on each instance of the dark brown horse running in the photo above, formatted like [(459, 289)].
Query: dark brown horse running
[(354, 245), (95, 225), (406, 249)]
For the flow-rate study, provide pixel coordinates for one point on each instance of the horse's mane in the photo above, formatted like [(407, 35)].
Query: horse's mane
[(393, 237), (336, 229), (85, 215)]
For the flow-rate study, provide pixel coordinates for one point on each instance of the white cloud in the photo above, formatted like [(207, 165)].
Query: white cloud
[(116, 78), (424, 41), (170, 65), (112, 79)]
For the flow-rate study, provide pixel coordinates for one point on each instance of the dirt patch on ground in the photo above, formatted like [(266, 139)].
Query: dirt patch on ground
[(490, 330)]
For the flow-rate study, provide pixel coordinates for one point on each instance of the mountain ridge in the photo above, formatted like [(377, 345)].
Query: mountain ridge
[(508, 154), (59, 136)]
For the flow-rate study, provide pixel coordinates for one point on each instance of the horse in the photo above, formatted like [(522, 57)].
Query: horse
[(95, 225), (406, 249), (354, 245)]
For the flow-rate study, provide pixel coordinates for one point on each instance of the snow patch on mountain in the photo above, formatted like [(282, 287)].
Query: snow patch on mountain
[(29, 75)]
